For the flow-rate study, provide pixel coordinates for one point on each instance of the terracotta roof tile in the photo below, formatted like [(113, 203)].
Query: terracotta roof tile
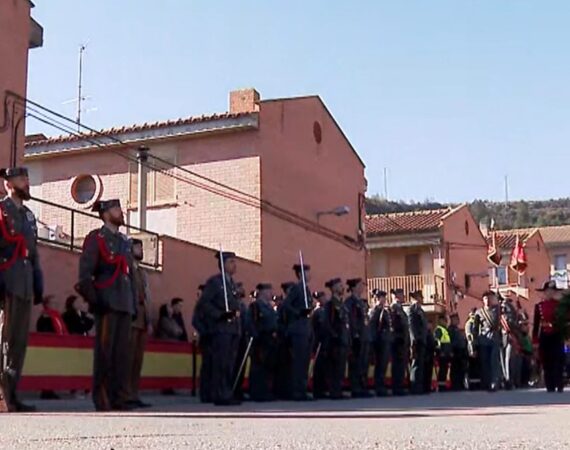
[(556, 235), (407, 222), (136, 127)]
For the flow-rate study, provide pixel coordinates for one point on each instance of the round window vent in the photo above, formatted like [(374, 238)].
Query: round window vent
[(317, 132), (85, 190)]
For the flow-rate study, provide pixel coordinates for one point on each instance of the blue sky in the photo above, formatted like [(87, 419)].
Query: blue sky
[(449, 95)]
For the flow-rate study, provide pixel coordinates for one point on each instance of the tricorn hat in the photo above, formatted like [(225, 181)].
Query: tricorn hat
[(12, 172), (297, 268), (332, 282), (101, 206), (353, 282), (225, 255), (263, 286), (378, 293)]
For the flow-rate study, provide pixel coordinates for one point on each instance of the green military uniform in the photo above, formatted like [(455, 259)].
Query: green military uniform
[(20, 282), (139, 331), (106, 282)]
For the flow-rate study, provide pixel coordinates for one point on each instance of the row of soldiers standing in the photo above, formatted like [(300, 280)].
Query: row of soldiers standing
[(280, 333)]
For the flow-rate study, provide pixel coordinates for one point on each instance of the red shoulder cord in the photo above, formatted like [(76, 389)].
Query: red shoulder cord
[(119, 261), (21, 250)]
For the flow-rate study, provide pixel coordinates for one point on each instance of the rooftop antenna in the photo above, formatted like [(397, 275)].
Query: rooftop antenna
[(80, 98)]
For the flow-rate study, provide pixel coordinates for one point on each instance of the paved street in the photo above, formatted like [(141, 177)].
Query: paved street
[(473, 420)]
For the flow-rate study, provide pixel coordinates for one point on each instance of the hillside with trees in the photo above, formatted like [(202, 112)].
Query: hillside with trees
[(516, 214)]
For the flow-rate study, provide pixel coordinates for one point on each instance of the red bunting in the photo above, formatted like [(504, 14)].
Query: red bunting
[(518, 258)]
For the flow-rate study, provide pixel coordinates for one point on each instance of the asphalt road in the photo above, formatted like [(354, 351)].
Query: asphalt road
[(470, 420)]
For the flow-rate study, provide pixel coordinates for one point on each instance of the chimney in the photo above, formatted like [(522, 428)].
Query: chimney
[(244, 101)]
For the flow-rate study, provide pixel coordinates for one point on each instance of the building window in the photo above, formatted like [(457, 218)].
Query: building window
[(560, 262), (85, 190), (160, 187), (412, 264), (317, 132), (501, 274)]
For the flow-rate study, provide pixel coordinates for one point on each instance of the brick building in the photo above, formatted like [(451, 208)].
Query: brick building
[(265, 179)]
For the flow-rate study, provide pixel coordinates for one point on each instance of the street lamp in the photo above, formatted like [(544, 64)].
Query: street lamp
[(338, 211)]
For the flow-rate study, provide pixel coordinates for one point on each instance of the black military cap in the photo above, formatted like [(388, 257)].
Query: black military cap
[(201, 287), (12, 172), (263, 286), (378, 293), (548, 285), (318, 294), (101, 206), (135, 241), (329, 284), (454, 314), (225, 255), (416, 295), (175, 301), (397, 291), (353, 282), (297, 267), (287, 285)]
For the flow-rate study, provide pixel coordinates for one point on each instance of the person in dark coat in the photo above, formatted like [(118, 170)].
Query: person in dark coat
[(489, 341), (282, 386), (77, 320), (221, 307), (381, 333), (262, 327), (239, 372), (176, 304), (298, 308), (429, 360), (167, 327), (400, 342), (418, 335), (320, 385), (203, 328), (336, 338), (459, 359), (357, 309)]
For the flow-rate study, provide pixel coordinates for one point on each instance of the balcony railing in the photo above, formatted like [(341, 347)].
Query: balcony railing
[(67, 228), (432, 286)]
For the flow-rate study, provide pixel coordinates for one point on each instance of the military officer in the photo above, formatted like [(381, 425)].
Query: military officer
[(381, 334), (244, 303), (221, 309), (106, 281), (547, 335), (21, 280), (141, 326), (510, 348), (429, 360), (357, 309), (336, 337), (489, 340), (281, 387), (459, 357), (418, 336), (297, 308), (262, 327), (472, 334), (400, 342), (320, 386)]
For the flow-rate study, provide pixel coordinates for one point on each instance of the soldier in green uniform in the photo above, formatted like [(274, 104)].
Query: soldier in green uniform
[(221, 307), (262, 327), (106, 281), (336, 337), (418, 336), (489, 341), (21, 280), (381, 333), (141, 326), (459, 359), (357, 309)]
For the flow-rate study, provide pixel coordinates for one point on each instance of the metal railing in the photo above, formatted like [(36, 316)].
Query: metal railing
[(432, 286), (66, 227)]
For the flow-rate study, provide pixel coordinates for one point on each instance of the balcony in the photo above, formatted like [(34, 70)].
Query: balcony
[(432, 286)]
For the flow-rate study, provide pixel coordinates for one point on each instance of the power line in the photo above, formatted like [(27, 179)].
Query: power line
[(237, 195)]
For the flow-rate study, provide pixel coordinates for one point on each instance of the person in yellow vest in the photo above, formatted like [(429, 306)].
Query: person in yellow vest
[(443, 351)]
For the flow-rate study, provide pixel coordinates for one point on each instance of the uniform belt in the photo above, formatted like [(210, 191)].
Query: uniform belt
[(545, 324)]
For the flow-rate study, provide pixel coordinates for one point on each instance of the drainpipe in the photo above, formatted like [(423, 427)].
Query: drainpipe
[(142, 157)]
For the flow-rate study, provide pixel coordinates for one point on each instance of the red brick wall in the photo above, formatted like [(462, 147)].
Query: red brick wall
[(14, 35)]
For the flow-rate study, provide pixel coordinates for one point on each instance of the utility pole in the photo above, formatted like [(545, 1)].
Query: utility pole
[(142, 157), (80, 86), (385, 183), (506, 189)]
